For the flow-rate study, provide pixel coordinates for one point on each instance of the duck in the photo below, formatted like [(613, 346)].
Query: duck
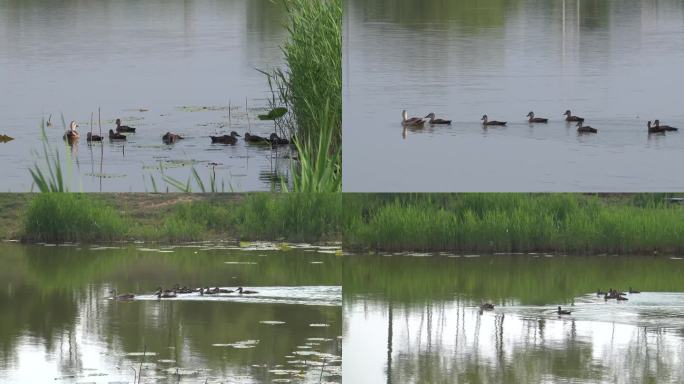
[(255, 139), (170, 138), (225, 139), (536, 119), (587, 129), (116, 135), (123, 128), (72, 134), (411, 122), (569, 117), (222, 290), (631, 291), (91, 137), (164, 293), (277, 140), (123, 296), (665, 127), (654, 129), (245, 292), (486, 122), (563, 311), (434, 121), (487, 306)]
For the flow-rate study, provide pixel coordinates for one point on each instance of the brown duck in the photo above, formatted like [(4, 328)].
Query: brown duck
[(411, 121), (71, 136), (587, 129), (226, 139), (654, 129), (536, 119), (256, 139), (487, 123), (170, 138), (116, 135), (569, 117), (123, 128), (666, 128), (91, 137)]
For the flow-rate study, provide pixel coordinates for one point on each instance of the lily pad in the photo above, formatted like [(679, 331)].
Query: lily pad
[(274, 114)]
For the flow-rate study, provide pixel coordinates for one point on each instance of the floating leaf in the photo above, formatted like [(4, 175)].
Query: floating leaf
[(273, 114)]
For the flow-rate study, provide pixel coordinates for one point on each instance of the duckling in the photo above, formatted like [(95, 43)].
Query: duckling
[(116, 135), (536, 119), (487, 123), (631, 291), (245, 292), (123, 128), (587, 129), (434, 121), (72, 134), (256, 139), (91, 137), (170, 138), (563, 311), (665, 127), (124, 296), (654, 129), (276, 140), (569, 117), (487, 306), (226, 139), (411, 122)]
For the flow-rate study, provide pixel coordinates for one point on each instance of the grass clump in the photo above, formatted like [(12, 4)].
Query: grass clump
[(513, 223), (60, 217)]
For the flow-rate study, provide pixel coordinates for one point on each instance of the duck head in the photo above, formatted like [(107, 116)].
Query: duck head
[(73, 126), (530, 115), (567, 113), (484, 118), (430, 115), (234, 134), (404, 115), (579, 124), (656, 122), (648, 124), (239, 289), (118, 122)]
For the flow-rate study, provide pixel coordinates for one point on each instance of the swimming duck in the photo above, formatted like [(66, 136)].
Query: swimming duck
[(116, 135), (654, 129), (255, 139), (563, 311), (91, 137), (123, 128), (411, 122), (277, 140), (225, 139), (633, 291), (170, 138), (570, 117), (245, 292), (164, 293), (486, 122), (434, 121), (665, 127), (72, 134), (124, 296), (536, 119), (587, 129), (487, 306)]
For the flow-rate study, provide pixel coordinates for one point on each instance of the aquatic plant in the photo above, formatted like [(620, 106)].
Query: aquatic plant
[(52, 180)]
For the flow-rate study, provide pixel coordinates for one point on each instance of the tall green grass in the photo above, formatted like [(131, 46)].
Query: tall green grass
[(59, 217), (512, 223), (311, 89)]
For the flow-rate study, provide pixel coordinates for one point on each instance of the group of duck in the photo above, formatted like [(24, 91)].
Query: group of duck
[(72, 136), (162, 293), (610, 294), (418, 122)]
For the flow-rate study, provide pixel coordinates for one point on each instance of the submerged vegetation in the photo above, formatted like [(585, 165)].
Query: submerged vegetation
[(311, 88), (486, 223)]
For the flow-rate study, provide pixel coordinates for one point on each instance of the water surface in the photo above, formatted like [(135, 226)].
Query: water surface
[(59, 325), (159, 66), (615, 63), (415, 319)]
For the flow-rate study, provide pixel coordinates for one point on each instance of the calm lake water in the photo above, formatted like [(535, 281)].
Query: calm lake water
[(615, 63), (58, 324), (416, 319), (159, 66)]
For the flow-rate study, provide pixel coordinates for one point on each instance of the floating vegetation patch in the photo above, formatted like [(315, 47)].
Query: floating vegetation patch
[(202, 108), (239, 345), (106, 175)]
